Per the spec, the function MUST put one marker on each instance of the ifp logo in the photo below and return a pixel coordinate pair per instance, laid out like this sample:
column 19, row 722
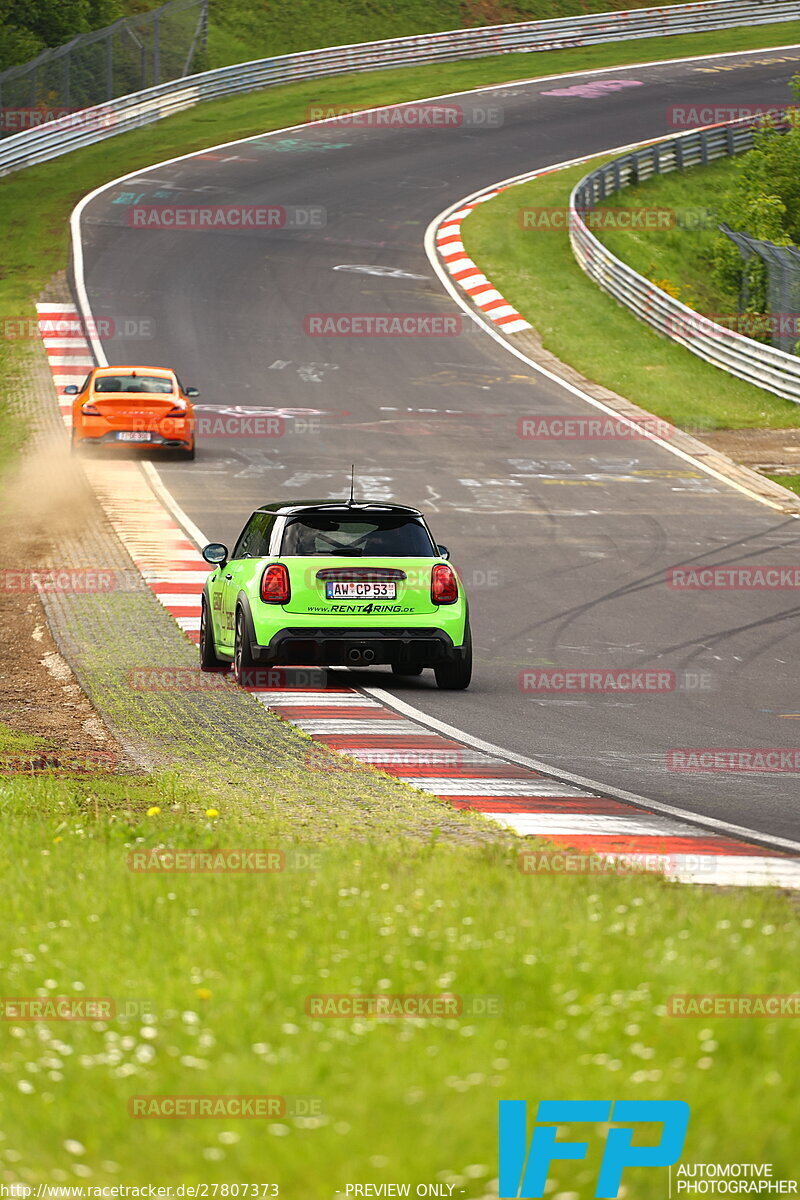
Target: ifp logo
column 524, row 1169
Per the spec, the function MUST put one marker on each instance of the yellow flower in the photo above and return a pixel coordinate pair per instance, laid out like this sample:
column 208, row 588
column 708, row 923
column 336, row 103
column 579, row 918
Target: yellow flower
column 212, row 812
column 154, row 811
column 58, row 839
column 203, row 994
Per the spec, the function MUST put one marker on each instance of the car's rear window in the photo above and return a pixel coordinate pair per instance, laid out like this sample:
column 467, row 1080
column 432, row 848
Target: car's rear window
column 155, row 384
column 379, row 535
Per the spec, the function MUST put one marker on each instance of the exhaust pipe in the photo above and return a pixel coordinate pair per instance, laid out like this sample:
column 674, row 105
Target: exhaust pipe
column 361, row 656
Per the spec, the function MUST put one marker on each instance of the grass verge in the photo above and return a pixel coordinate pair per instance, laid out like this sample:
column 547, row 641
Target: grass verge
column 211, row 974
column 678, row 259
column 792, row 482
column 537, row 273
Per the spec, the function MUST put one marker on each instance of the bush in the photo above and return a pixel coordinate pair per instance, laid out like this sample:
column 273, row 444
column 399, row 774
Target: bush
column 764, row 202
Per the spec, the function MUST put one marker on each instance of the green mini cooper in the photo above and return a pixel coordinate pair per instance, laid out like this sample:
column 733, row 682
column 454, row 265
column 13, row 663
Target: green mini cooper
column 336, row 583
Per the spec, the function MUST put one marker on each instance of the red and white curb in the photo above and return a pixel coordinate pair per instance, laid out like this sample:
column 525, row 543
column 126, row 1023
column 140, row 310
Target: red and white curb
column 529, row 802
column 467, row 275
column 68, row 352
column 353, row 724
column 171, row 565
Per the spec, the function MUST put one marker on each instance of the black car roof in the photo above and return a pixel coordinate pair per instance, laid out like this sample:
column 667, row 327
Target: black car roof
column 295, row 506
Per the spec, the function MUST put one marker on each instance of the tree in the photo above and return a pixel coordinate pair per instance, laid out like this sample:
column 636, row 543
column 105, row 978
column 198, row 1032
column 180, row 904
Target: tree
column 763, row 202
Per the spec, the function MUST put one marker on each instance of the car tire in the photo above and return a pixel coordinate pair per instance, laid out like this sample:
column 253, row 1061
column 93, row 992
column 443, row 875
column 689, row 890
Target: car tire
column 399, row 669
column 242, row 653
column 456, row 675
column 74, row 447
column 189, row 455
column 208, row 654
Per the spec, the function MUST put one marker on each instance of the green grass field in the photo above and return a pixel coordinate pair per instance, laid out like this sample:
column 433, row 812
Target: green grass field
column 679, row 257
column 211, row 975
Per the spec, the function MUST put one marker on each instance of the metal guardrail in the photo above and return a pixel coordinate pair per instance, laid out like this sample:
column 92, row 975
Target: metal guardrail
column 764, row 366
column 153, row 104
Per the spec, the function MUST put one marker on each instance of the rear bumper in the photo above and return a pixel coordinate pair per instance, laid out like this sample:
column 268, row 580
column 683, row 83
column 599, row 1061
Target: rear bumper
column 156, row 440
column 337, row 647
column 165, row 433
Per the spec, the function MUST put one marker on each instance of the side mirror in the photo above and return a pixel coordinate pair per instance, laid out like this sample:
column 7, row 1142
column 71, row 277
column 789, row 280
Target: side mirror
column 215, row 553
column 192, row 392
column 445, row 553
column 71, row 390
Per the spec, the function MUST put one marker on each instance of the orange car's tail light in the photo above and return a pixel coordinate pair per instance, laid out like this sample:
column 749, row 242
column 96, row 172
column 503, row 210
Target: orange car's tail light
column 90, row 410
column 444, row 586
column 275, row 588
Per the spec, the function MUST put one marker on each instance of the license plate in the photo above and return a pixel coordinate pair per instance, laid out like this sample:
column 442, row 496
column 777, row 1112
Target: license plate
column 360, row 591
column 130, row 436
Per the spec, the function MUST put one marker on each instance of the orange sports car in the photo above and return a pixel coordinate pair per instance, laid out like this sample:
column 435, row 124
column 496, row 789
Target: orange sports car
column 133, row 405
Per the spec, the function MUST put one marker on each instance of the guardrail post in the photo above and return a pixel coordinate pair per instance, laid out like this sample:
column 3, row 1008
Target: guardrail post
column 65, row 79
column 109, row 69
column 156, row 49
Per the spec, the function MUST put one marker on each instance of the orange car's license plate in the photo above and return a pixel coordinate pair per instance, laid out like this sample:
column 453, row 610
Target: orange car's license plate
column 130, row 436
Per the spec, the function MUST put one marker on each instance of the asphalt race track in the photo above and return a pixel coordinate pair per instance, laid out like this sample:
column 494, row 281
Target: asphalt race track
column 564, row 545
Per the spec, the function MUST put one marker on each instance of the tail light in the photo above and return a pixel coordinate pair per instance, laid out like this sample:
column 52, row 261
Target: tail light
column 444, row 585
column 90, row 410
column 275, row 587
